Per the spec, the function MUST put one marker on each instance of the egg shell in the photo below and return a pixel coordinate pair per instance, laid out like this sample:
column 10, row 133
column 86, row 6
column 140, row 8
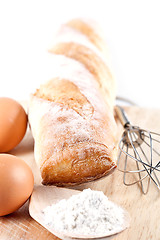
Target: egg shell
column 16, row 183
column 13, row 124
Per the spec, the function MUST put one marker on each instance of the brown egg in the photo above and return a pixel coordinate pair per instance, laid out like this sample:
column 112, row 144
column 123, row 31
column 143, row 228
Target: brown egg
column 13, row 124
column 16, row 183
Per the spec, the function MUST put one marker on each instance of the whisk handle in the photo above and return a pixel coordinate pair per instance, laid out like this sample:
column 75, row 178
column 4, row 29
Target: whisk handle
column 122, row 116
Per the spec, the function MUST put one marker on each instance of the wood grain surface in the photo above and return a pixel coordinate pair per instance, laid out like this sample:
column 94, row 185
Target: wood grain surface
column 143, row 209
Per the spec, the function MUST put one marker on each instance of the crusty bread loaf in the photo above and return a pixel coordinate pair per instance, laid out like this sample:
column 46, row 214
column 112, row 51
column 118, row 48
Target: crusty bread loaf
column 71, row 115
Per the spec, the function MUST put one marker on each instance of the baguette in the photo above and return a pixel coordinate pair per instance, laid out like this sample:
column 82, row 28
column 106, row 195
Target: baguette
column 71, row 115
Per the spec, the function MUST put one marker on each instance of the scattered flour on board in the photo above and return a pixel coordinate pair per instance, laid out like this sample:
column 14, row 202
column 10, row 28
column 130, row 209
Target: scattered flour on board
column 89, row 212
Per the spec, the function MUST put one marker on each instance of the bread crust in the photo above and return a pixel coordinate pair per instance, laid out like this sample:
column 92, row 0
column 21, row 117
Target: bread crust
column 93, row 63
column 71, row 116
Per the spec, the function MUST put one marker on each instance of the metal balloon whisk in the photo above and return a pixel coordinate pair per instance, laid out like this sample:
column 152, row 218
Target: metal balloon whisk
column 139, row 154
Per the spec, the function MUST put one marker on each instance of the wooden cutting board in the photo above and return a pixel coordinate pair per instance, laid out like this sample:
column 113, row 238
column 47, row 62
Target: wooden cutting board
column 143, row 209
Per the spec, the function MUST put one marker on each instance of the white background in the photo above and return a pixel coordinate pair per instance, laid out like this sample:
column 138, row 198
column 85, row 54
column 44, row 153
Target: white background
column 132, row 30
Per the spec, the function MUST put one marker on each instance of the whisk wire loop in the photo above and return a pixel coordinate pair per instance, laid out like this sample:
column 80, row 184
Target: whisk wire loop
column 132, row 146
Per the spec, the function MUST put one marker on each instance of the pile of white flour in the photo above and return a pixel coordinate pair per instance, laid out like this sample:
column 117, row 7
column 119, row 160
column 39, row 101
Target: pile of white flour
column 89, row 212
